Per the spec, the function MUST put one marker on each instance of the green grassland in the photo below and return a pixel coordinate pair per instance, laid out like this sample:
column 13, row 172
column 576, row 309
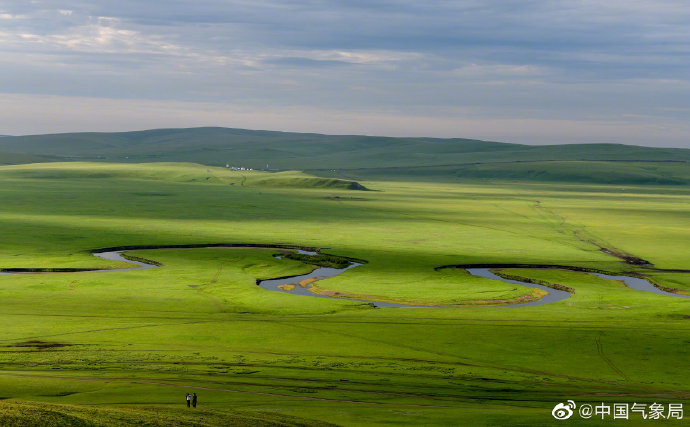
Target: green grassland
column 122, row 348
column 571, row 171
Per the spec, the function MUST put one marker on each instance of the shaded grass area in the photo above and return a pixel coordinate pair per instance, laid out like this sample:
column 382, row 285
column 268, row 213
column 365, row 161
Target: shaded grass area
column 19, row 158
column 549, row 171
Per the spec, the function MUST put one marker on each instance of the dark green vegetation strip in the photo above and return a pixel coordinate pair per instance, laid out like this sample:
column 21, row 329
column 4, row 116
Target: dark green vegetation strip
column 324, row 260
column 140, row 259
column 530, row 280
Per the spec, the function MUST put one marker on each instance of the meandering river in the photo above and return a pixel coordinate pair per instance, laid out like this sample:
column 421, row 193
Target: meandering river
column 321, row 273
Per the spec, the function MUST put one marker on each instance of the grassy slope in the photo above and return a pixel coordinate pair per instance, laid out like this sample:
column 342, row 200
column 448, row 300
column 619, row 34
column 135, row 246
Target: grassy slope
column 368, row 157
column 19, row 158
column 200, row 324
column 172, row 173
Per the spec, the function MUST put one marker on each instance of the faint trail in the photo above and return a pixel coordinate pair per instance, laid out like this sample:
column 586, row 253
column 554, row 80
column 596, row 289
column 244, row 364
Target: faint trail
column 581, row 235
column 217, row 275
column 105, row 329
column 566, row 228
column 563, row 227
column 600, row 351
column 216, row 301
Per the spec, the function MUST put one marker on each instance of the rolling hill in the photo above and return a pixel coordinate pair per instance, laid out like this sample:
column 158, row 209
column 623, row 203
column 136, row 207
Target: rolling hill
column 362, row 156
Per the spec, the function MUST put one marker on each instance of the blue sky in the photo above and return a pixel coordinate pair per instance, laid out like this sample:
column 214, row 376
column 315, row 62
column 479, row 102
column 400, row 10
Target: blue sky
column 538, row 72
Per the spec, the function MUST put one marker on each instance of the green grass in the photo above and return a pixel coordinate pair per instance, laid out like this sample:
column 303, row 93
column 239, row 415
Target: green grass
column 30, row 414
column 603, row 172
column 171, row 173
column 675, row 282
column 132, row 343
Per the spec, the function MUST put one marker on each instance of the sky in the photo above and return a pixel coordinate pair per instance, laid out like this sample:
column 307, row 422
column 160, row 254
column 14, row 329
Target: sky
column 527, row 71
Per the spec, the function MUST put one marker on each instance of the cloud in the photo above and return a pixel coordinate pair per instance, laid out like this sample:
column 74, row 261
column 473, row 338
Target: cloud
column 9, row 16
column 498, row 70
column 533, row 60
column 103, row 35
column 304, row 62
column 330, row 58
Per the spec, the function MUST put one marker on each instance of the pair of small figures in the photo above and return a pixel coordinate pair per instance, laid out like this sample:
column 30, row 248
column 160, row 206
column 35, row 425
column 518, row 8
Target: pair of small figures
column 191, row 400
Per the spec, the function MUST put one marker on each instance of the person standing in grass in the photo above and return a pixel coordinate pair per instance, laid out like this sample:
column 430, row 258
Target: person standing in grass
column 194, row 400
column 189, row 399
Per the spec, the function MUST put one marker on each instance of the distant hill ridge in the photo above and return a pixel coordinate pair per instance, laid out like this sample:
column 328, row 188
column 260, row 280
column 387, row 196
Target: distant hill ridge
column 261, row 149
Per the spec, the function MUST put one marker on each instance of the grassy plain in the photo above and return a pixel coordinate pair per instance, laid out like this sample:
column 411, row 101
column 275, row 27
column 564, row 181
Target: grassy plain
column 119, row 346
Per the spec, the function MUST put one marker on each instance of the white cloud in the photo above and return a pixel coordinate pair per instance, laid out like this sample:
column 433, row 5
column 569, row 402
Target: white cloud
column 366, row 56
column 106, row 35
column 381, row 58
column 498, row 70
column 109, row 36
column 9, row 16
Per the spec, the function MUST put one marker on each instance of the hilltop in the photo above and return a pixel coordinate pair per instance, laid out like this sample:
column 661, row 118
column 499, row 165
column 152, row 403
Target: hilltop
column 359, row 156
